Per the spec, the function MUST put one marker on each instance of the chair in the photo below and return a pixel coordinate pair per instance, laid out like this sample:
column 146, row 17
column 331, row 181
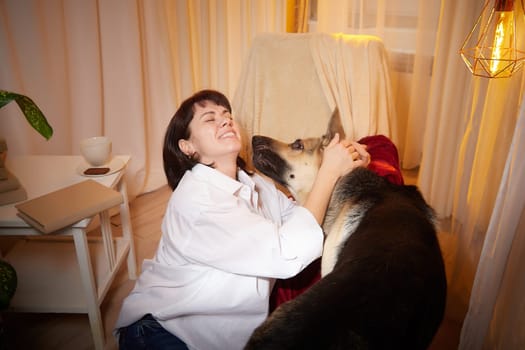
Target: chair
column 291, row 83
column 289, row 86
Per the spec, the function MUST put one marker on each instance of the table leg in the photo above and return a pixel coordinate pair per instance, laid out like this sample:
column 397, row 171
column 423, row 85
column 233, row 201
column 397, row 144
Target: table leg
column 90, row 288
column 107, row 237
column 127, row 232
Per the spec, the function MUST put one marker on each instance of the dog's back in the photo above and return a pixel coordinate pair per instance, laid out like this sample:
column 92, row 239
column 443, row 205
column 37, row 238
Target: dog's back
column 387, row 289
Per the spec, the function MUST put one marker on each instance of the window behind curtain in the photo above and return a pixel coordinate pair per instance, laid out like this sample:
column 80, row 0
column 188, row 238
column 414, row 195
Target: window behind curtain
column 395, row 21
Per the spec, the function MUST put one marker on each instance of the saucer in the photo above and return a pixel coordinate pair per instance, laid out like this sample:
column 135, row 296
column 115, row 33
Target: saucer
column 114, row 165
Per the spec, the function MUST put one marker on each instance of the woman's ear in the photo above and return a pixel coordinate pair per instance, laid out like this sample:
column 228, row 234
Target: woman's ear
column 186, row 147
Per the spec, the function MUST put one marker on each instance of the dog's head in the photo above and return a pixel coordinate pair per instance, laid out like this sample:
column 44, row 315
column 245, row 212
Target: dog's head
column 294, row 165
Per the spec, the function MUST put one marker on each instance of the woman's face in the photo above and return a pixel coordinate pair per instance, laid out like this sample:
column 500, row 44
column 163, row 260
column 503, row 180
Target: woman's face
column 214, row 135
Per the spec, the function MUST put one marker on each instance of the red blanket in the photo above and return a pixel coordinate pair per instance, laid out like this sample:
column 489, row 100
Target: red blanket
column 385, row 162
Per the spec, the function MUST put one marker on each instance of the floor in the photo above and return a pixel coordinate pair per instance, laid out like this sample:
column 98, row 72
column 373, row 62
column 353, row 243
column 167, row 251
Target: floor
column 71, row 331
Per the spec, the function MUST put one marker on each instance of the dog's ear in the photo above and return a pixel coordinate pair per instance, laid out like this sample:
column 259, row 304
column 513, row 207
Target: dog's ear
column 334, row 126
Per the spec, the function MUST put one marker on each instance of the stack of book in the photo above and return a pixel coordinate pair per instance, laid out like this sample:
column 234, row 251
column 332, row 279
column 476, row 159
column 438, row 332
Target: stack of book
column 11, row 190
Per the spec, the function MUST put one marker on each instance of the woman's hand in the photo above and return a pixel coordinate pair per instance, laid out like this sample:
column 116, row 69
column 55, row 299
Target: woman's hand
column 363, row 157
column 341, row 157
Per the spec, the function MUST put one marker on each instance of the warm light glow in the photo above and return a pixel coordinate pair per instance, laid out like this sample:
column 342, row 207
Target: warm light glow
column 503, row 41
column 495, row 47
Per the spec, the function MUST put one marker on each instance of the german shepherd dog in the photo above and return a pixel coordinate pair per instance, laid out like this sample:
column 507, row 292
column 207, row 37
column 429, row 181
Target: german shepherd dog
column 383, row 282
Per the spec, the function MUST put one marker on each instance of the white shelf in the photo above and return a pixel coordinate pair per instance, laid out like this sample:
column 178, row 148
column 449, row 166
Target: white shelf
column 49, row 274
column 66, row 271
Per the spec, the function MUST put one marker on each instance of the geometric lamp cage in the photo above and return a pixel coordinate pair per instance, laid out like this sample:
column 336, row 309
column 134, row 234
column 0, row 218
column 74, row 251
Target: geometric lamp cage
column 495, row 48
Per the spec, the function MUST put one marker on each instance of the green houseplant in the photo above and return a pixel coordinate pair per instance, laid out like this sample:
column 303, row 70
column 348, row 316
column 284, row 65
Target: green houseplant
column 8, row 283
column 35, row 117
column 33, row 114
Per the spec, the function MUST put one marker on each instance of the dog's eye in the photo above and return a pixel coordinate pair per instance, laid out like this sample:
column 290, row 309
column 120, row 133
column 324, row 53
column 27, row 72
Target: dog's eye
column 297, row 145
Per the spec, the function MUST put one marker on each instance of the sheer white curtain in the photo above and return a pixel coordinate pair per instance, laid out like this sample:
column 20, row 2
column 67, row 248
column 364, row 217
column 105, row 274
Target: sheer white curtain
column 465, row 133
column 496, row 309
column 120, row 68
column 485, row 210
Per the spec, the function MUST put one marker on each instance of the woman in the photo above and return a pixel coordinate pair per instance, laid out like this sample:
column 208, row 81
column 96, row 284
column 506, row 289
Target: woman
column 226, row 236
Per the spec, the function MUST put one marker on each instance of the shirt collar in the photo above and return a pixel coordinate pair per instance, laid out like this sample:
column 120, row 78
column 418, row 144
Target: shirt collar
column 218, row 179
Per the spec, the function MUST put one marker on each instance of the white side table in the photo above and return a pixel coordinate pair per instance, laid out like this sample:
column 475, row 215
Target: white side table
column 49, row 280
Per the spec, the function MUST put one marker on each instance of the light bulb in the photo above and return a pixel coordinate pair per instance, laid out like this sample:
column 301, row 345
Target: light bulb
column 503, row 41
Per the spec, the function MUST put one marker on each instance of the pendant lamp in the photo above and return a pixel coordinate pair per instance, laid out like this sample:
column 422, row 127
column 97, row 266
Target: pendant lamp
column 495, row 46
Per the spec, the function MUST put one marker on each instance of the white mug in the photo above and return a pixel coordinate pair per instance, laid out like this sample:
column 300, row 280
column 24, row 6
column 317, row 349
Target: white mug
column 96, row 150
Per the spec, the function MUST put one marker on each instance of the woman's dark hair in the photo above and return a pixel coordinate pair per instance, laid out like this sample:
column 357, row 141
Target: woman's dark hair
column 175, row 161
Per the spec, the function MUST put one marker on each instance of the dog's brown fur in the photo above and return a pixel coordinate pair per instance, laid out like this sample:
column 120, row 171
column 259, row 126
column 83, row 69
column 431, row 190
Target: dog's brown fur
column 383, row 284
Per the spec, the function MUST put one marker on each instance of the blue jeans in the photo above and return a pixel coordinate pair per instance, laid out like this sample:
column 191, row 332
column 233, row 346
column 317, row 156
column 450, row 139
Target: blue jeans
column 148, row 334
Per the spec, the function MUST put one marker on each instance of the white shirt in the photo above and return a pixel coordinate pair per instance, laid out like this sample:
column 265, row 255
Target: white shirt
column 223, row 244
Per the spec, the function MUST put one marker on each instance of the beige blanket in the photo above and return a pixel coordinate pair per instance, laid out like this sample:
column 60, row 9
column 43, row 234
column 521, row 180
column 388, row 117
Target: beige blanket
column 291, row 83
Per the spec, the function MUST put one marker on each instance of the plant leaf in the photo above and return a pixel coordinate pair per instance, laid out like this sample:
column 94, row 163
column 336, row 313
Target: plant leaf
column 33, row 114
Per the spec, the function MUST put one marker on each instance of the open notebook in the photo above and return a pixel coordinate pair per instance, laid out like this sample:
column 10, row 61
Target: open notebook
column 68, row 205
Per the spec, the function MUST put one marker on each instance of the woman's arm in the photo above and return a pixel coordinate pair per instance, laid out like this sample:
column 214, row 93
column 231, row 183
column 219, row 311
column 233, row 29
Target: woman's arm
column 339, row 158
